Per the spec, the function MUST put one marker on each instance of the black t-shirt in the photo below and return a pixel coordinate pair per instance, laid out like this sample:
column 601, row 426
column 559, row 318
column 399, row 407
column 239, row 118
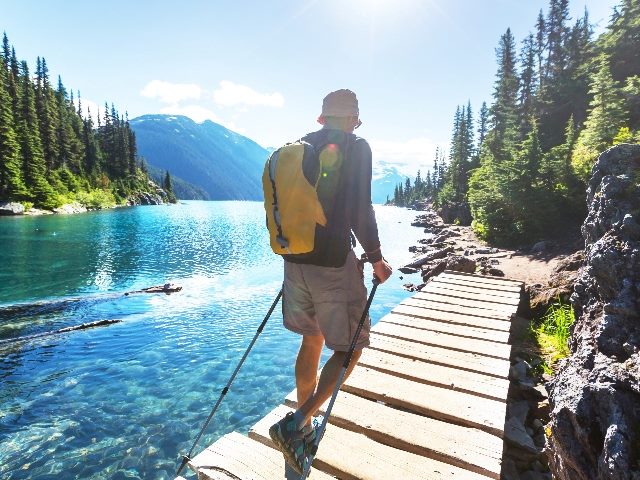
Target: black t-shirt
column 344, row 190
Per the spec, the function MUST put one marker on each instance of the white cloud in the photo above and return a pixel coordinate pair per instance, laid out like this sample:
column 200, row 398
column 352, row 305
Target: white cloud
column 171, row 92
column 232, row 94
column 408, row 157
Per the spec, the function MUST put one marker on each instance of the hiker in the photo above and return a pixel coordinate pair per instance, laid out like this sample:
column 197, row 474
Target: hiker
column 324, row 292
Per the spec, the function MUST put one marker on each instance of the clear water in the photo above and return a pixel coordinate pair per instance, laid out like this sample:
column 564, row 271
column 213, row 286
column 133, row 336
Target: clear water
column 124, row 401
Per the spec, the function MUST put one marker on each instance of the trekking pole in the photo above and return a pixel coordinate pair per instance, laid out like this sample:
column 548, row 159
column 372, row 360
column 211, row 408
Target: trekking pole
column 343, row 372
column 186, row 458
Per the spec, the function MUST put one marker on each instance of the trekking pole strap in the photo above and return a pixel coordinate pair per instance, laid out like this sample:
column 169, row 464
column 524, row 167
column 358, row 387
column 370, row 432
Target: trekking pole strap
column 224, row 391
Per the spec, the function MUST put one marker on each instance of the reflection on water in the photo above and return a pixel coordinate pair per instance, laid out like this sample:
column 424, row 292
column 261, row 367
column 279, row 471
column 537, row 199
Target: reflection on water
column 124, row 401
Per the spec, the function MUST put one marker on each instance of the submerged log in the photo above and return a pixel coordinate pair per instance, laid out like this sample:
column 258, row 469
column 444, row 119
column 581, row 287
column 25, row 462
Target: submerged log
column 166, row 288
column 82, row 326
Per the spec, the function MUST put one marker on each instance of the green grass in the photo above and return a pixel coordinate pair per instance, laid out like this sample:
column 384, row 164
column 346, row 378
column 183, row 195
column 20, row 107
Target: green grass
column 552, row 333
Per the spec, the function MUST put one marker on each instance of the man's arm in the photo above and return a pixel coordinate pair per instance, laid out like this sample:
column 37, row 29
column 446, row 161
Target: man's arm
column 363, row 218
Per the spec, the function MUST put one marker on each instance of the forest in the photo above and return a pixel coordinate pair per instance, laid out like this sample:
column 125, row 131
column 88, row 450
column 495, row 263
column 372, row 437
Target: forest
column 51, row 153
column 519, row 170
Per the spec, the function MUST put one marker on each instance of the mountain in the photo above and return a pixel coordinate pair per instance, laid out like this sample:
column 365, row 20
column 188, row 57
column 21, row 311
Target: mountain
column 385, row 178
column 226, row 165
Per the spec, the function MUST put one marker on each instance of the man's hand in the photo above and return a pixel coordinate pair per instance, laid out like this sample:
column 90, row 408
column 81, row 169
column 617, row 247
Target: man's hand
column 382, row 270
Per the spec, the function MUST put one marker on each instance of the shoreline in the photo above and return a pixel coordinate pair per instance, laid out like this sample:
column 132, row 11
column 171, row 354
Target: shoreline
column 534, row 265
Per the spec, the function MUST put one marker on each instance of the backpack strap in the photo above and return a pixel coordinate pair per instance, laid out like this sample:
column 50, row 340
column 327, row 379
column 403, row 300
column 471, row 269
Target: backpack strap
column 273, row 163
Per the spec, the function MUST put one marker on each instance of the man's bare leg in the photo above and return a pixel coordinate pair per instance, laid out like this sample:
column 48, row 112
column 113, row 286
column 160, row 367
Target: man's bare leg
column 307, row 367
column 326, row 384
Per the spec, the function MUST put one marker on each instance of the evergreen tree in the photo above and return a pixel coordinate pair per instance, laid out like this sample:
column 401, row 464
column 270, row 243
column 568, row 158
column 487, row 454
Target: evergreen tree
column 482, row 124
column 504, row 109
column 11, row 181
column 526, row 106
column 540, row 46
column 6, row 51
column 46, row 111
column 620, row 41
column 606, row 117
column 35, row 168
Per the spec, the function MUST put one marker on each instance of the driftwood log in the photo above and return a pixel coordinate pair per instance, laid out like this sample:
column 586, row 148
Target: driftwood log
column 82, row 326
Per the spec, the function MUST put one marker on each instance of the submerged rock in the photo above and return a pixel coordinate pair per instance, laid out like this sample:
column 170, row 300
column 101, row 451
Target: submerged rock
column 595, row 397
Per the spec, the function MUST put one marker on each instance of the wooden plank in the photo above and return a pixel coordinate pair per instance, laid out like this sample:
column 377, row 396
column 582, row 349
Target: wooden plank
column 436, row 326
column 476, row 304
column 418, row 308
column 466, row 286
column 463, row 447
column 456, row 407
column 438, row 339
column 483, row 279
column 352, row 456
column 471, row 362
column 489, row 287
column 461, row 309
column 236, row 457
column 445, row 377
column 439, row 289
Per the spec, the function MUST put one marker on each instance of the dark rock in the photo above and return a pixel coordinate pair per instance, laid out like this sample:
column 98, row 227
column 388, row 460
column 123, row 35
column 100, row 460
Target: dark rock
column 542, row 247
column 595, row 396
column 11, row 208
column 519, row 410
column 436, row 254
column 408, row 270
column 516, row 435
column 456, row 213
column 460, row 264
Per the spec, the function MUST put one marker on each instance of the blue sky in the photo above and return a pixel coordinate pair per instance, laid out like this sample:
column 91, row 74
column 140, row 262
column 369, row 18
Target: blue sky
column 262, row 68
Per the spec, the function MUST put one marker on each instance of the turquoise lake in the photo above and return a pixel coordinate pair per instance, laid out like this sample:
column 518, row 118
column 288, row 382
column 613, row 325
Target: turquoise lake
column 125, row 400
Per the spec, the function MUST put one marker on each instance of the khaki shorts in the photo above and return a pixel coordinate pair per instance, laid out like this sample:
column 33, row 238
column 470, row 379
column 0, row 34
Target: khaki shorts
column 326, row 301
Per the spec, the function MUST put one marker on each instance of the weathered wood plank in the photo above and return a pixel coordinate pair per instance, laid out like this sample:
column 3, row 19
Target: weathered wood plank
column 420, row 309
column 460, row 309
column 489, row 287
column 455, row 407
column 397, row 317
column 472, row 362
column 464, row 447
column 350, row 456
column 483, row 279
column 445, row 377
column 440, row 289
column 490, row 349
column 499, row 308
column 236, row 457
column 466, row 286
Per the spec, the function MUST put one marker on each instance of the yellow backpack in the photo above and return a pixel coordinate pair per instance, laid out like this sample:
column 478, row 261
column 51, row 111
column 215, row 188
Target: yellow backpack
column 291, row 199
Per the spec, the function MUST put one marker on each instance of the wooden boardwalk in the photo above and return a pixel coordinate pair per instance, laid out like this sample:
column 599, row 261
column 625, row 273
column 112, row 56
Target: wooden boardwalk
column 427, row 400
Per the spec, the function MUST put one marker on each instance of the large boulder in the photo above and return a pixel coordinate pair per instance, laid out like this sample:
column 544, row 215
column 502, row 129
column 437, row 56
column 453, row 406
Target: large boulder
column 11, row 208
column 594, row 433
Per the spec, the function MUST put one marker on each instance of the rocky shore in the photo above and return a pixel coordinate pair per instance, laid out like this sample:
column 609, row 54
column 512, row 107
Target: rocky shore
column 156, row 196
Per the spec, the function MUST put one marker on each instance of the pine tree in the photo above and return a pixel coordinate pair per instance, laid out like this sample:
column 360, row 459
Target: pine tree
column 6, row 51
column 540, row 46
column 483, row 124
column 620, row 41
column 11, row 182
column 46, row 111
column 31, row 146
column 606, row 116
column 504, row 109
column 526, row 97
